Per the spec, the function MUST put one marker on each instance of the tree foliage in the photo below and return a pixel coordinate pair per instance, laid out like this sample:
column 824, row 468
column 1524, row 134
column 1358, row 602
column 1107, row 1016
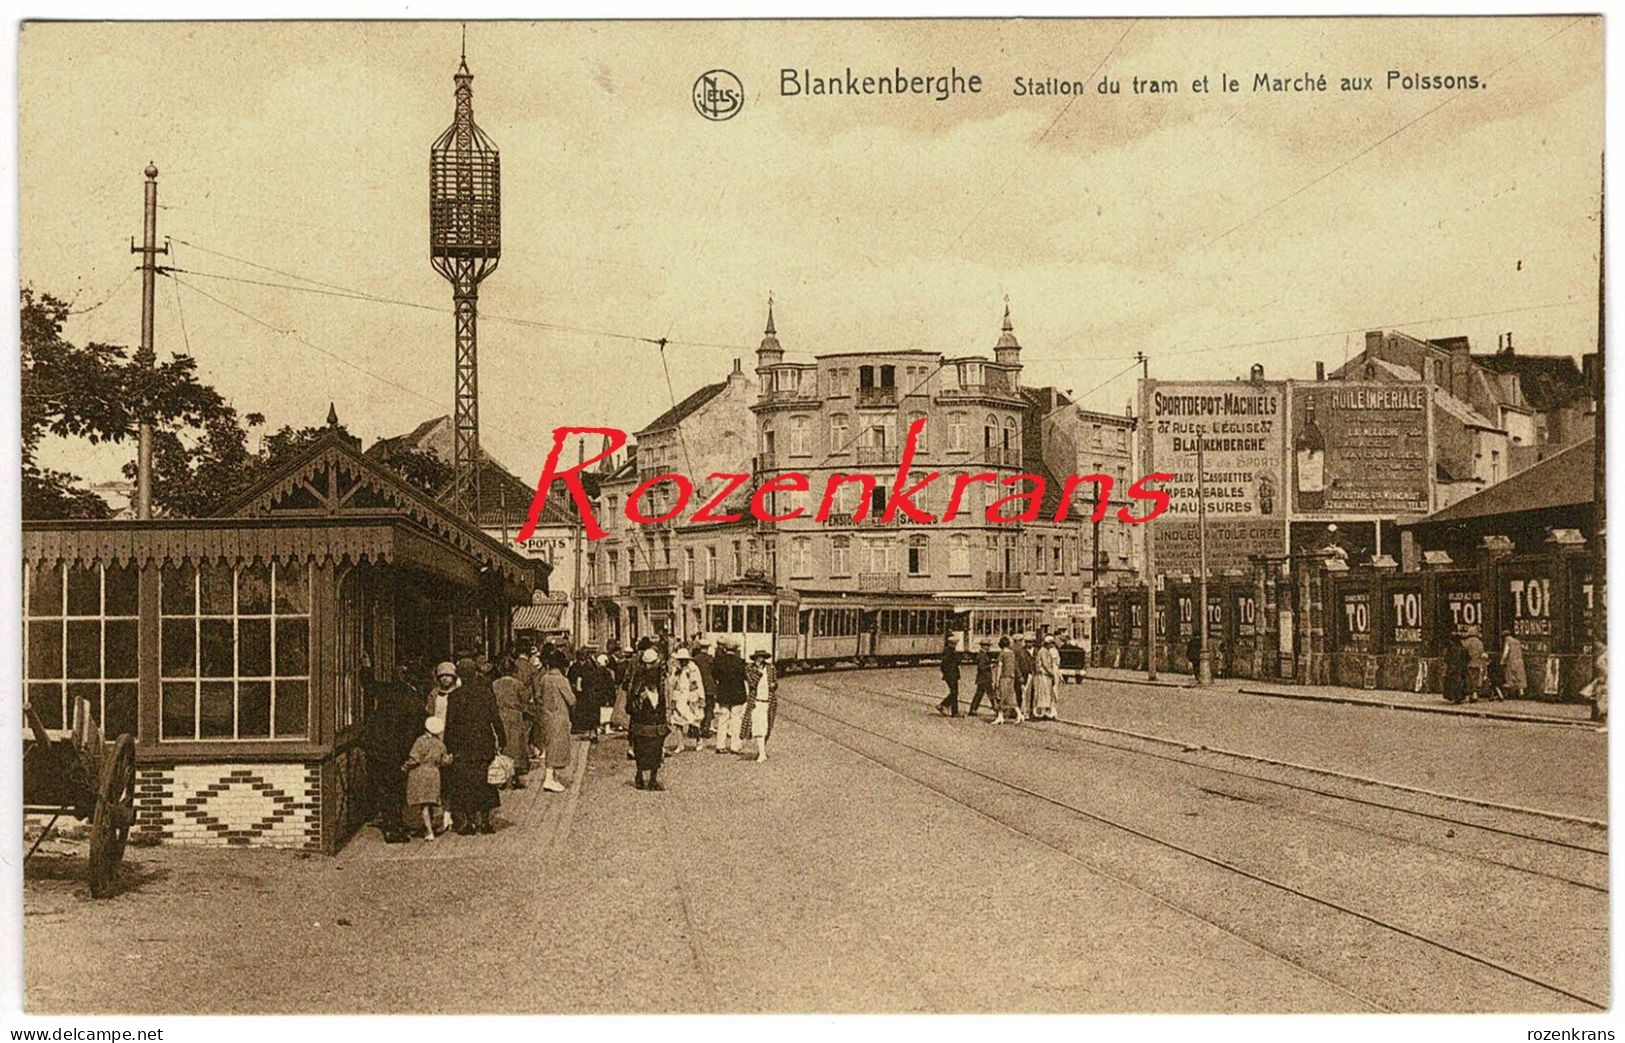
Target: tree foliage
column 201, row 453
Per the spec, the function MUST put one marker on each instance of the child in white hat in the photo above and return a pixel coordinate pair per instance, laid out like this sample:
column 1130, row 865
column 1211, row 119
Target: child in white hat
column 422, row 769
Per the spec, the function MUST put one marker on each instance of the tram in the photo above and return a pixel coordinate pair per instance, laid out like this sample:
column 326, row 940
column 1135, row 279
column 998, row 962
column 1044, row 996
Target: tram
column 749, row 613
column 825, row 630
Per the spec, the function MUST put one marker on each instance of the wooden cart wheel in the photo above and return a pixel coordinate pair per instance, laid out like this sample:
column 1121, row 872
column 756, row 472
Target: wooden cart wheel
column 114, row 814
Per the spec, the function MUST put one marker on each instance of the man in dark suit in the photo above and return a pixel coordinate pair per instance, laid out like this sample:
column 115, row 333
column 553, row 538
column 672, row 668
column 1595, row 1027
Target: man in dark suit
column 702, row 659
column 984, row 675
column 949, row 707
column 392, row 725
column 729, row 671
column 1025, row 666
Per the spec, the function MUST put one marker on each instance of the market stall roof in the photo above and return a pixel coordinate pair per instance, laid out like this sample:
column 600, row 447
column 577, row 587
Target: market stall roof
column 1563, row 480
column 333, row 478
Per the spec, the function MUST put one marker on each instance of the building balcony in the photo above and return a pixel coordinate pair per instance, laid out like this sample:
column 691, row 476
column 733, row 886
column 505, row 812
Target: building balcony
column 788, row 396
column 869, row 455
column 1003, row 581
column 978, row 393
column 998, row 456
column 601, row 589
column 872, row 396
column 654, row 579
column 765, row 462
column 880, row 582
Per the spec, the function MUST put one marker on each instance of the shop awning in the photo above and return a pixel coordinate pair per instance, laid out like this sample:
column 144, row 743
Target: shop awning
column 549, row 615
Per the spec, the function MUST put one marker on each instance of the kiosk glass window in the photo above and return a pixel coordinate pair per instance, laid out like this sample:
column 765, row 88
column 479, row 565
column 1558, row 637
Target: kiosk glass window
column 234, row 656
column 79, row 633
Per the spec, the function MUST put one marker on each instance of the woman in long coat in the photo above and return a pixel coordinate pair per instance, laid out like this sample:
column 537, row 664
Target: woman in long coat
column 584, row 711
column 1514, row 679
column 1455, row 670
column 644, row 671
column 1046, row 674
column 557, row 700
column 510, row 696
column 474, row 733
column 1004, row 684
column 646, row 714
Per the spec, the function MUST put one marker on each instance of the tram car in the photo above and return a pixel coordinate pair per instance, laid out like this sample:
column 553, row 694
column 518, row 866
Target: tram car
column 826, row 630
column 749, row 614
column 994, row 621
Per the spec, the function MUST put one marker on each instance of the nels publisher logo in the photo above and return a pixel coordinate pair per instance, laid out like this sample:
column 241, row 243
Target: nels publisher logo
column 718, row 95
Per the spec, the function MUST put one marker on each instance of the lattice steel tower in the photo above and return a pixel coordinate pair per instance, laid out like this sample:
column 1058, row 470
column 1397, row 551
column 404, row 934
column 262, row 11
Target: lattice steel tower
column 465, row 242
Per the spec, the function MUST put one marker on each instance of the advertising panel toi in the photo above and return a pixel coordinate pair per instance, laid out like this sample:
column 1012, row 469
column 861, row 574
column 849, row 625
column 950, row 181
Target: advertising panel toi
column 1359, row 449
column 1240, row 428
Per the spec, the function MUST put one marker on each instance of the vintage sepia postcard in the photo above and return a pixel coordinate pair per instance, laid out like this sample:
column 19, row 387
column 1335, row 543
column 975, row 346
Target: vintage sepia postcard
column 813, row 516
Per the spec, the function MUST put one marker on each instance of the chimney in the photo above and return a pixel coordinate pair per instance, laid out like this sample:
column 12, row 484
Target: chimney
column 738, row 373
column 1320, row 371
column 1509, row 342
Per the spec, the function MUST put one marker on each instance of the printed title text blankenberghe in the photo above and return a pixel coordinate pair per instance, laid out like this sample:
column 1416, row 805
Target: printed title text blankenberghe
column 941, row 86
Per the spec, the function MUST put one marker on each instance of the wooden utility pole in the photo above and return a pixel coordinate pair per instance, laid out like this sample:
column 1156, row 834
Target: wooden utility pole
column 1599, row 446
column 578, row 588
column 1150, row 556
column 147, row 356
column 1204, row 660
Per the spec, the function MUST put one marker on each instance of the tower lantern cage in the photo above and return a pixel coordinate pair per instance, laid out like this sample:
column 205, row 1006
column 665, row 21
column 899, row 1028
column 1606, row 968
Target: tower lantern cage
column 465, row 244
column 465, row 192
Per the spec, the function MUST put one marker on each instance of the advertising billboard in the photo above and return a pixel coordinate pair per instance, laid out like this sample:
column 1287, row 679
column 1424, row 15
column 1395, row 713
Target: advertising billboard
column 1359, row 448
column 1240, row 427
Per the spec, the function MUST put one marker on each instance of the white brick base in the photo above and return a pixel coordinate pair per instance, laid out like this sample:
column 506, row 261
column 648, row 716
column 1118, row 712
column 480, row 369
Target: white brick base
column 264, row 805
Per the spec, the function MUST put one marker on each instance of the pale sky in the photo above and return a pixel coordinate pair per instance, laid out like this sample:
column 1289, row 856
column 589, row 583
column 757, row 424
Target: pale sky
column 1209, row 230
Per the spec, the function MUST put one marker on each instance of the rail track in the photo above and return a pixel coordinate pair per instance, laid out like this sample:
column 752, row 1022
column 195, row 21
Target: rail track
column 905, row 758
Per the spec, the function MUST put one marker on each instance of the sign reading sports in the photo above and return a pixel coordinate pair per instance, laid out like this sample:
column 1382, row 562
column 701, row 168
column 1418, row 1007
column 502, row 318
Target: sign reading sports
column 1240, row 427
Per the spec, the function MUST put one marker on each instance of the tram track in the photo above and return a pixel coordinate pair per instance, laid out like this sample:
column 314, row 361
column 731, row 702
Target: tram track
column 1591, row 825
column 827, row 725
column 1456, row 852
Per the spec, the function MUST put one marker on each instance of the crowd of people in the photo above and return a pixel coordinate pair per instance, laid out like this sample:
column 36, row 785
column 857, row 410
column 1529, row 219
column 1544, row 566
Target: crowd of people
column 442, row 745
column 1019, row 679
column 671, row 697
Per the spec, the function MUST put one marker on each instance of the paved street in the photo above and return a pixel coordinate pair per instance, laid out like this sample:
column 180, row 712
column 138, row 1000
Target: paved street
column 886, row 859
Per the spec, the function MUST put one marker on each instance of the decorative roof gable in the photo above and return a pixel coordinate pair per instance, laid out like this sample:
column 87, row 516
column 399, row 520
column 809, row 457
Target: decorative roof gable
column 333, row 477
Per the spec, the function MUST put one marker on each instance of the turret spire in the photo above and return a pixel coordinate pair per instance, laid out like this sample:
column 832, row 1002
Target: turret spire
column 770, row 334
column 1008, row 349
column 1007, row 335
column 769, row 353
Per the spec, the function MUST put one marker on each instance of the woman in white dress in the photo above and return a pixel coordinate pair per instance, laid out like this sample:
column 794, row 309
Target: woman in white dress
column 685, row 700
column 761, row 700
column 1046, row 675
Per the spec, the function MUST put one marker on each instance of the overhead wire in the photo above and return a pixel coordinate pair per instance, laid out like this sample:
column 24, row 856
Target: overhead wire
column 347, row 293
column 110, row 295
column 1192, row 251
column 1015, row 168
column 295, row 336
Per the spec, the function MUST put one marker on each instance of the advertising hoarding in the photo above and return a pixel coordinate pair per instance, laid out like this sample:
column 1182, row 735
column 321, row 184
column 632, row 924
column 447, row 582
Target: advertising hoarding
column 1240, row 428
column 1359, row 448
